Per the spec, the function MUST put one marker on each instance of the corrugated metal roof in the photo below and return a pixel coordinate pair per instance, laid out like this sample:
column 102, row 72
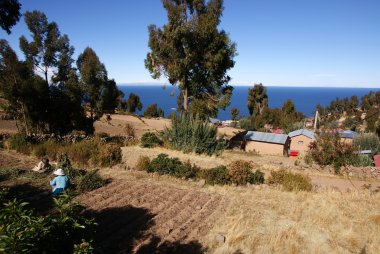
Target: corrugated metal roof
column 213, row 120
column 348, row 134
column 304, row 132
column 266, row 137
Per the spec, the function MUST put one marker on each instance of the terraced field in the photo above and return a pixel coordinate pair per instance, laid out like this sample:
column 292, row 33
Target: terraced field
column 142, row 217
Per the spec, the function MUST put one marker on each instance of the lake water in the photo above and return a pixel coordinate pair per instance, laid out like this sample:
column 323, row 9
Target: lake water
column 304, row 98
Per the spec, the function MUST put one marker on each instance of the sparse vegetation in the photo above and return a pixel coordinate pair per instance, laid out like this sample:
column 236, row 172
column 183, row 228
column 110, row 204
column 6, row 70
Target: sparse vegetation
column 290, row 181
column 107, row 155
column 18, row 142
column 142, row 163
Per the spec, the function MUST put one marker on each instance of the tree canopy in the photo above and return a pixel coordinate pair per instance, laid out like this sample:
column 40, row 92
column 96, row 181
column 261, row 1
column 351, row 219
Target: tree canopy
column 192, row 52
column 257, row 99
column 9, row 14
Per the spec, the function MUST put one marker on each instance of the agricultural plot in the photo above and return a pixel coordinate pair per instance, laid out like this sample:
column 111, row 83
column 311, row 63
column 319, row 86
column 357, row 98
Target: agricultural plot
column 141, row 217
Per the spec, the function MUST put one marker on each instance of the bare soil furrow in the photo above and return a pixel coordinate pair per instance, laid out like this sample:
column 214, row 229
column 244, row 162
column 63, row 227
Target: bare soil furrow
column 197, row 215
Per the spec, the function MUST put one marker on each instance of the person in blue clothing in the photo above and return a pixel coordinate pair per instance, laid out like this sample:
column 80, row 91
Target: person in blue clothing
column 60, row 182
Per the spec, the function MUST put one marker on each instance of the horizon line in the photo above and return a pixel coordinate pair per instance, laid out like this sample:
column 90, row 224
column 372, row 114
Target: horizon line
column 246, row 85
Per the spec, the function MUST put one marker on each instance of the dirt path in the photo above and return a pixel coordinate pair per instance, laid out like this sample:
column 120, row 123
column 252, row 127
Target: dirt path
column 144, row 217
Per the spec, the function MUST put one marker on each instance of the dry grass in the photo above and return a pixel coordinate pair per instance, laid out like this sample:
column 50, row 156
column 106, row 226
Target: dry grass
column 273, row 221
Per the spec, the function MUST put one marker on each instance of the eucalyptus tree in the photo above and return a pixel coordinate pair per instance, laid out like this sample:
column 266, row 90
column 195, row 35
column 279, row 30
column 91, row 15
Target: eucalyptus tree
column 93, row 78
column 192, row 52
column 42, row 52
column 9, row 14
column 257, row 99
column 22, row 89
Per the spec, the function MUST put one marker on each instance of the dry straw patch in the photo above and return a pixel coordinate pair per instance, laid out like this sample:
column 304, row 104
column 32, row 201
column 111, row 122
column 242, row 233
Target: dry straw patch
column 273, row 221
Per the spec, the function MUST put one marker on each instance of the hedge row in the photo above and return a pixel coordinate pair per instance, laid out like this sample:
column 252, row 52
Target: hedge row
column 238, row 172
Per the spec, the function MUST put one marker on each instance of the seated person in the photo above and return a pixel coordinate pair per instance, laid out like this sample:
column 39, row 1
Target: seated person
column 42, row 166
column 60, row 182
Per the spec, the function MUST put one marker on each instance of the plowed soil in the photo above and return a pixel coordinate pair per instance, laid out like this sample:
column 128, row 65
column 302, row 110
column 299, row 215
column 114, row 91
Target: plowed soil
column 144, row 217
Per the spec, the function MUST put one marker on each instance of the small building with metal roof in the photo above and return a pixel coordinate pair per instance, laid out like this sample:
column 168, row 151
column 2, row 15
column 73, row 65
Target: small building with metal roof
column 267, row 143
column 300, row 140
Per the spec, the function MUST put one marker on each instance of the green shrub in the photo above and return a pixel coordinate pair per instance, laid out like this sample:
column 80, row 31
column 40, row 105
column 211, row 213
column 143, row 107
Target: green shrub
column 107, row 156
column 187, row 171
column 363, row 161
column 142, row 163
column 153, row 111
column 89, row 181
column 22, row 231
column 18, row 142
column 49, row 148
column 367, row 141
column 150, row 139
column 192, row 134
column 257, row 177
column 218, row 175
column 330, row 150
column 162, row 164
column 290, row 181
column 240, row 172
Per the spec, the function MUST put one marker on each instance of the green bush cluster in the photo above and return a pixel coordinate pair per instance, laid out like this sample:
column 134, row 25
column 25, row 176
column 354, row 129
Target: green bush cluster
column 164, row 165
column 240, row 172
column 363, row 161
column 22, row 231
column 192, row 134
column 153, row 111
column 149, row 139
column 220, row 175
column 216, row 176
column 290, row 181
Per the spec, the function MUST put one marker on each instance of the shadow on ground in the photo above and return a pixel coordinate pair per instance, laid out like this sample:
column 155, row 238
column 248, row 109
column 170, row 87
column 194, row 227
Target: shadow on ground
column 121, row 229
column 40, row 199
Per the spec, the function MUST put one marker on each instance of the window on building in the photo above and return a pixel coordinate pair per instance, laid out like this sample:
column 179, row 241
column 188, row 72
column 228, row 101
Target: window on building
column 300, row 143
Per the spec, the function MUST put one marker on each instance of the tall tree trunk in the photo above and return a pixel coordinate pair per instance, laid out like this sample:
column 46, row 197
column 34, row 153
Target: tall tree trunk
column 24, row 118
column 185, row 99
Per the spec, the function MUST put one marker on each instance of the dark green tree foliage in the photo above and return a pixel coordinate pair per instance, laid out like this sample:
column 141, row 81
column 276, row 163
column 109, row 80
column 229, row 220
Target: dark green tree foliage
column 234, row 113
column 257, row 99
column 153, row 111
column 112, row 97
column 191, row 134
column 93, row 78
column 61, row 98
column 133, row 103
column 25, row 92
column 192, row 52
column 43, row 51
column 203, row 108
column 9, row 14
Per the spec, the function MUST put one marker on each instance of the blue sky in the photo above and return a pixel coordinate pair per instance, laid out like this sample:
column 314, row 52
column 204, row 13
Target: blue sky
column 279, row 42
